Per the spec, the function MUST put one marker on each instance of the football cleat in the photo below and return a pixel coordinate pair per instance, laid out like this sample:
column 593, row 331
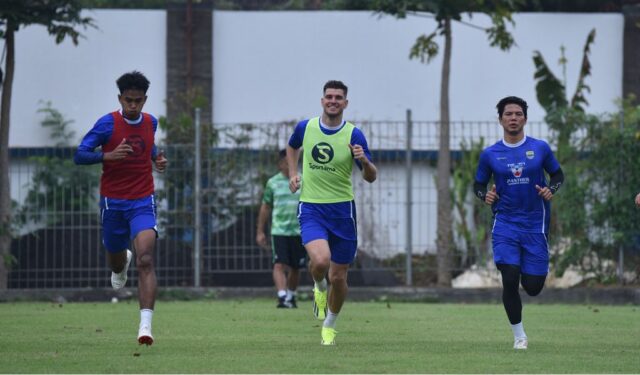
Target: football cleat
column 520, row 343
column 328, row 336
column 319, row 304
column 118, row 280
column 144, row 336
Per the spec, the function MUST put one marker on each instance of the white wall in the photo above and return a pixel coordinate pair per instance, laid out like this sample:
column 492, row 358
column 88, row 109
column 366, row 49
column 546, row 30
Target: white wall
column 80, row 80
column 271, row 66
column 274, row 70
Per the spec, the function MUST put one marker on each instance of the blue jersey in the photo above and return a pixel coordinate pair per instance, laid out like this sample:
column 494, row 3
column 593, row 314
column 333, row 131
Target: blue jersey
column 516, row 170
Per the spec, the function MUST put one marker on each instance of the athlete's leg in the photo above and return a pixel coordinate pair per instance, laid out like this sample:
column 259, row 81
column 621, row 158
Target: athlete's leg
column 533, row 284
column 319, row 259
column 535, row 262
column 510, row 292
column 144, row 244
column 279, row 276
column 117, row 260
column 338, row 281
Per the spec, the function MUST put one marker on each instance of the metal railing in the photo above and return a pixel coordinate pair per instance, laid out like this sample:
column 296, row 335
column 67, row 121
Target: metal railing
column 208, row 204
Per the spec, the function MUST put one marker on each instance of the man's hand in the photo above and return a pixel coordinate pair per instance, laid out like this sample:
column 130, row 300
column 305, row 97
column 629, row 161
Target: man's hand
column 261, row 240
column 294, row 183
column 491, row 196
column 358, row 153
column 161, row 162
column 119, row 153
column 544, row 192
column 638, row 200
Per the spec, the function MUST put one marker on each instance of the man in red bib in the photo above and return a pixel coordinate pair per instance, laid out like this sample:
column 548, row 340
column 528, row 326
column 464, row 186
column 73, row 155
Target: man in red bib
column 127, row 205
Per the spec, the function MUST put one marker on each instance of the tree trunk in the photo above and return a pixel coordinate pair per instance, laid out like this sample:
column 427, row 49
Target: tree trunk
column 5, row 187
column 444, row 169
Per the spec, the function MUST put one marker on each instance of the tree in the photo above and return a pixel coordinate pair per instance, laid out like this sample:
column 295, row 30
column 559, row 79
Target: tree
column 426, row 48
column 59, row 17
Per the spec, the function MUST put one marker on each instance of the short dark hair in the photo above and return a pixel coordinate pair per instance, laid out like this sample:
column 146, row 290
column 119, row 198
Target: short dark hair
column 511, row 100
column 133, row 81
column 282, row 154
column 335, row 85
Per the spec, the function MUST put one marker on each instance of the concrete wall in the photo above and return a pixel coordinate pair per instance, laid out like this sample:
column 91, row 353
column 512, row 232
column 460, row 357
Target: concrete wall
column 80, row 80
column 270, row 66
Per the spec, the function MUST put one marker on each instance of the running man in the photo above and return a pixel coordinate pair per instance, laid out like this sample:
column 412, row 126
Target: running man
column 127, row 206
column 288, row 253
column 327, row 211
column 520, row 200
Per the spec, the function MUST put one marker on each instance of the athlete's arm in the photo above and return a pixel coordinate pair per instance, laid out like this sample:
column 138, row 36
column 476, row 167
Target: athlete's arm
column 556, row 180
column 369, row 170
column 96, row 137
column 261, row 238
column 480, row 190
column 293, row 154
column 362, row 155
column 483, row 173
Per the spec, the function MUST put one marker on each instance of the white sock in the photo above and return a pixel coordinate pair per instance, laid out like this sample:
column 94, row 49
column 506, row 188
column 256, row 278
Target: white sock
column 330, row 320
column 322, row 285
column 518, row 330
column 146, row 315
column 290, row 294
column 282, row 293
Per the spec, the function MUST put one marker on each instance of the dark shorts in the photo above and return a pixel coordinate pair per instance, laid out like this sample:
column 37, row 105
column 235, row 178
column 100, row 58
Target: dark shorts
column 289, row 250
column 120, row 227
column 529, row 251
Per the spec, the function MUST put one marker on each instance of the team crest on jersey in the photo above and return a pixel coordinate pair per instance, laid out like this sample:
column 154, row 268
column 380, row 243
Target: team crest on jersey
column 530, row 154
column 516, row 169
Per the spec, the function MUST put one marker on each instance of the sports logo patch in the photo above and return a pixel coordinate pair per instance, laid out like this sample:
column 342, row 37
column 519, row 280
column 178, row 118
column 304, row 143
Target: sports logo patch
column 517, row 169
column 322, row 153
column 530, row 154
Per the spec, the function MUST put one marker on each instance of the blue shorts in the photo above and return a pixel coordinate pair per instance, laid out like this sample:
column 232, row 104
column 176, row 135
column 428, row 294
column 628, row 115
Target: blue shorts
column 119, row 227
column 529, row 251
column 339, row 229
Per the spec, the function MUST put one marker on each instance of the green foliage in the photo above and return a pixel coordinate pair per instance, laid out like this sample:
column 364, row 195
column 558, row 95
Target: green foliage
column 57, row 184
column 473, row 219
column 594, row 215
column 58, row 16
column 426, row 48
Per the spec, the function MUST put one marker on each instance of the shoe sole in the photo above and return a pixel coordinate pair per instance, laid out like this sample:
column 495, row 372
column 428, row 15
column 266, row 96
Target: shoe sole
column 145, row 340
column 316, row 312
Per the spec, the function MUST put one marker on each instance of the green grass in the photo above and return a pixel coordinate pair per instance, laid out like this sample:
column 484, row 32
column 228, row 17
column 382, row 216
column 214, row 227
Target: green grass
column 252, row 336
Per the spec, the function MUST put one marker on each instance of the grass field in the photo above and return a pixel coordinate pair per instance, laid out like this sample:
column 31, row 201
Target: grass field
column 252, row 336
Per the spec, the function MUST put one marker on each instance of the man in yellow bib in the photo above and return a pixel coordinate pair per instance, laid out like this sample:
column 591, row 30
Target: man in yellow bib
column 327, row 211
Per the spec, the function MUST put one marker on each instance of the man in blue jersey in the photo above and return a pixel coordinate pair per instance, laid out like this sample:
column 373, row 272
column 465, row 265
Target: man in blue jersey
column 327, row 211
column 520, row 199
column 127, row 142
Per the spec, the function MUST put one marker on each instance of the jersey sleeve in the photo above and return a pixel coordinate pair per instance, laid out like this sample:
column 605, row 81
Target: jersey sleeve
column 267, row 196
column 154, row 149
column 483, row 173
column 295, row 141
column 98, row 135
column 551, row 164
column 358, row 138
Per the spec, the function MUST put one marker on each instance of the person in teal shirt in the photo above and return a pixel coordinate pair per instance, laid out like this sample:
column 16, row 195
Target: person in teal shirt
column 288, row 254
column 327, row 211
